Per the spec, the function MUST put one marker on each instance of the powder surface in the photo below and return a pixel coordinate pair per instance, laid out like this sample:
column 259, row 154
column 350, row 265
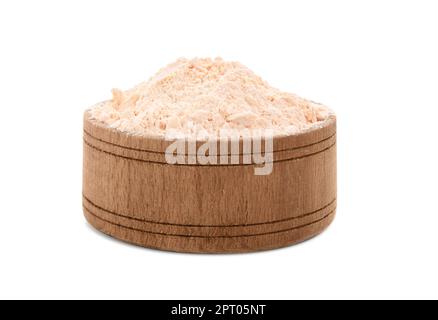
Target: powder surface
column 201, row 97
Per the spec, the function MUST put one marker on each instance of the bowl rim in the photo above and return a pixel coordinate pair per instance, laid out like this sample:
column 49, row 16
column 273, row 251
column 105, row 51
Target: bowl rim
column 98, row 130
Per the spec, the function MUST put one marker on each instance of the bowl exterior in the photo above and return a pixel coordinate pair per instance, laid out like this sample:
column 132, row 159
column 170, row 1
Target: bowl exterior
column 131, row 193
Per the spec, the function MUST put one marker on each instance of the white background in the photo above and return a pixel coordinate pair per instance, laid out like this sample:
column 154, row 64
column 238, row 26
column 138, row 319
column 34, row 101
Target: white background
column 373, row 62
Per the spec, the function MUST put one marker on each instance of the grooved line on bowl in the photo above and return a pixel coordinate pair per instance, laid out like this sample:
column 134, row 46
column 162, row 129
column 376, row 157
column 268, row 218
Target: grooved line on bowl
column 212, row 237
column 205, row 165
column 240, row 154
column 206, row 226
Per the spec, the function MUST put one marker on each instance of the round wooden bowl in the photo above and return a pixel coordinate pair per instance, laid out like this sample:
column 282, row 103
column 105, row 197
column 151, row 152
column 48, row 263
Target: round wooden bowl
column 131, row 193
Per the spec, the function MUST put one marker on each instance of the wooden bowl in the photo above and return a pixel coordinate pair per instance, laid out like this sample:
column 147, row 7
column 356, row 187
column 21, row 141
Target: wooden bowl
column 131, row 193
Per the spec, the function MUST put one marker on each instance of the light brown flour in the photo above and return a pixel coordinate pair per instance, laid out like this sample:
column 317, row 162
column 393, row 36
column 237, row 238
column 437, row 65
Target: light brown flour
column 206, row 96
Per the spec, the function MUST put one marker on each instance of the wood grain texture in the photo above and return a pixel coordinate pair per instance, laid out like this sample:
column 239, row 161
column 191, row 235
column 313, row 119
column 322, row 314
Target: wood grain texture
column 131, row 193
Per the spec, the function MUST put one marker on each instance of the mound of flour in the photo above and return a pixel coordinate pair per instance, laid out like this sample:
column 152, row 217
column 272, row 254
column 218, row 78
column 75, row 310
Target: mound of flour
column 205, row 96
